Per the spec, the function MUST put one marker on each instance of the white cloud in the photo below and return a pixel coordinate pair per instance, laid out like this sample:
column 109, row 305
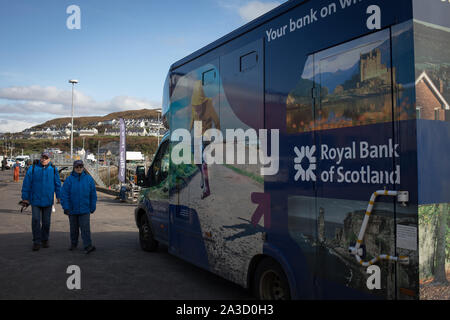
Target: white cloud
column 37, row 101
column 254, row 9
column 249, row 9
column 38, row 93
column 15, row 125
column 32, row 109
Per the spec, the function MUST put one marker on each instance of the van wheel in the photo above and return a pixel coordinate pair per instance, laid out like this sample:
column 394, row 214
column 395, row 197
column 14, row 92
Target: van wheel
column 270, row 282
column 146, row 239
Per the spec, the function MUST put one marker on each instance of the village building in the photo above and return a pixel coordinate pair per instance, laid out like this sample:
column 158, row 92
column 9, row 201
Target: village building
column 137, row 132
column 430, row 103
column 112, row 132
column 88, row 132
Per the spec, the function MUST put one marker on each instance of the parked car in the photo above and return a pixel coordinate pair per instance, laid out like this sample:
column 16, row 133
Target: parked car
column 9, row 163
column 22, row 160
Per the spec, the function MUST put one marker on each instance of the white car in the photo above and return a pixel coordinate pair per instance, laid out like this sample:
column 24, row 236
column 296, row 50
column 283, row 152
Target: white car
column 22, row 161
column 10, row 162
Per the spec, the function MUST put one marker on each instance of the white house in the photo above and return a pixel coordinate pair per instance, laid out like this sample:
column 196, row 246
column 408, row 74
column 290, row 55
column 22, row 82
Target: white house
column 134, row 156
column 88, row 132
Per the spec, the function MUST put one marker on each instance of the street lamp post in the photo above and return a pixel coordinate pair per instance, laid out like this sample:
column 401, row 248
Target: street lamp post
column 73, row 82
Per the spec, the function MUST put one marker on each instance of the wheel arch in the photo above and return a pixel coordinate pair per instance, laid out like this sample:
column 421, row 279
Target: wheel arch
column 273, row 253
column 252, row 268
column 138, row 213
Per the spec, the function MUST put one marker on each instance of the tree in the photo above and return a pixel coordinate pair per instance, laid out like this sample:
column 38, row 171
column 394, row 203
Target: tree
column 440, row 272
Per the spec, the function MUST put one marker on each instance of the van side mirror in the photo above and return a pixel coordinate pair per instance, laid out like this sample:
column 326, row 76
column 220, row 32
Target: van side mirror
column 140, row 176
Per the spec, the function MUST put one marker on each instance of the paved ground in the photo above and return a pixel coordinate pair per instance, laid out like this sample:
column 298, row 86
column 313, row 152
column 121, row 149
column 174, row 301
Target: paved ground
column 119, row 269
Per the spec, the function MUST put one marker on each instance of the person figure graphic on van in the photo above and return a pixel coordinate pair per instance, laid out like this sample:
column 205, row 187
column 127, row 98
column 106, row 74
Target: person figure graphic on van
column 79, row 201
column 16, row 171
column 40, row 185
column 203, row 110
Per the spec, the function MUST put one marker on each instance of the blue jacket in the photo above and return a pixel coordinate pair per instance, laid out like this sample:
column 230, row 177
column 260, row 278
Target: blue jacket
column 78, row 194
column 40, row 186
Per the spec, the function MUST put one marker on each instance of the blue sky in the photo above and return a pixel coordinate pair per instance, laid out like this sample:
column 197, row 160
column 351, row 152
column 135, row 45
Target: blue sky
column 120, row 55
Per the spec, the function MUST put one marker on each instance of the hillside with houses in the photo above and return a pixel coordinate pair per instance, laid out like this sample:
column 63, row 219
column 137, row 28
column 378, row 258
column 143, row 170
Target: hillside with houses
column 139, row 123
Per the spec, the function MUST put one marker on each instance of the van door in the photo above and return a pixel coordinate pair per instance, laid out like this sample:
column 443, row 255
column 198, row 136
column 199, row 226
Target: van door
column 242, row 74
column 196, row 99
column 356, row 155
column 158, row 194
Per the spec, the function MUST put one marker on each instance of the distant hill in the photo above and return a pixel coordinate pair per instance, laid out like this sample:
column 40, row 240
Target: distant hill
column 82, row 122
column 431, row 45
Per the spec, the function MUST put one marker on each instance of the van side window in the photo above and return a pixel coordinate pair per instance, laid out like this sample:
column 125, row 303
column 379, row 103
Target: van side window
column 159, row 170
column 248, row 61
column 208, row 77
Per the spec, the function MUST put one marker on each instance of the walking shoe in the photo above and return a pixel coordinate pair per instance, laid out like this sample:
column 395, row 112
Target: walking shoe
column 89, row 249
column 36, row 247
column 72, row 247
column 206, row 192
column 45, row 244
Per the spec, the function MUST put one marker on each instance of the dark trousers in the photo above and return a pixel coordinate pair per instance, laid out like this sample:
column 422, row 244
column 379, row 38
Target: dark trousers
column 77, row 223
column 40, row 223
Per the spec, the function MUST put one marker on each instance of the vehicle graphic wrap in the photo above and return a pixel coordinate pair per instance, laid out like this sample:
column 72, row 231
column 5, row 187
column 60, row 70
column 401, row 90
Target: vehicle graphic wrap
column 207, row 206
column 358, row 108
column 432, row 74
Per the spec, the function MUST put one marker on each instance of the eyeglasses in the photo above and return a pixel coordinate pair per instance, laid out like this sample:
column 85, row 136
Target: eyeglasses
column 79, row 167
column 44, row 158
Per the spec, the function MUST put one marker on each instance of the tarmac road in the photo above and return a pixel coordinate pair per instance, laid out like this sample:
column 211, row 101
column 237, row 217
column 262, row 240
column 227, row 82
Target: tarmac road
column 119, row 269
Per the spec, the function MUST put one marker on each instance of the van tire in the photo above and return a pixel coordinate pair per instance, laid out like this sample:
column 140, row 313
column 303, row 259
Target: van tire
column 146, row 238
column 270, row 281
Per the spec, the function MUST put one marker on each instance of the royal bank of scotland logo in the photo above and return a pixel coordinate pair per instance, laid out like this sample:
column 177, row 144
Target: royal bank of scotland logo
column 308, row 173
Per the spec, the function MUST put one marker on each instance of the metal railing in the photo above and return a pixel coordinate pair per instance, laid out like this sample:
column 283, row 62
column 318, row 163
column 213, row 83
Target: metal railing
column 63, row 160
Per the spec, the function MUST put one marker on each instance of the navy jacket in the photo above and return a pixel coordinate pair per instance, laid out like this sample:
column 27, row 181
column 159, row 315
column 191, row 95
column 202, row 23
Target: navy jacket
column 40, row 186
column 78, row 194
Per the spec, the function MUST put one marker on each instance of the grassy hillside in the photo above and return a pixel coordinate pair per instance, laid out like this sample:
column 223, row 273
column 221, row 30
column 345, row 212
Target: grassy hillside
column 146, row 145
column 87, row 121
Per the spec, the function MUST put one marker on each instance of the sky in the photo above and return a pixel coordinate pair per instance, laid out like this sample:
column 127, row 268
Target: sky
column 121, row 54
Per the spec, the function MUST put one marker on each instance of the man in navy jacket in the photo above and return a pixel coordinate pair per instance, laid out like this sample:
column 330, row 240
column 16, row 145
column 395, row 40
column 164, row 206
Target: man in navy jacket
column 79, row 200
column 41, row 183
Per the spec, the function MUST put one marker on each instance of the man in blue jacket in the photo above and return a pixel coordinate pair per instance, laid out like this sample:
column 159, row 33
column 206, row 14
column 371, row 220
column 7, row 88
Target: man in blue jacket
column 40, row 185
column 79, row 200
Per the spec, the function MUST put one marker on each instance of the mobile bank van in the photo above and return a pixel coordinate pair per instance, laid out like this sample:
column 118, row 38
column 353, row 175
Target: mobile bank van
column 308, row 152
